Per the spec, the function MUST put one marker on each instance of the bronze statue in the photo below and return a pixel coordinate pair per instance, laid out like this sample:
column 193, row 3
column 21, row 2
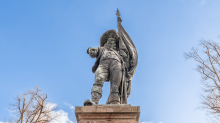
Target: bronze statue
column 116, row 61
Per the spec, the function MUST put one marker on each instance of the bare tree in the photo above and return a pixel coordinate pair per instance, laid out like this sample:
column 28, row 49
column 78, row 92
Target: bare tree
column 209, row 67
column 33, row 107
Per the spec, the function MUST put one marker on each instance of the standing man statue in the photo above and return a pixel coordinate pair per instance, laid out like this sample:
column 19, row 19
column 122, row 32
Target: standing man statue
column 116, row 61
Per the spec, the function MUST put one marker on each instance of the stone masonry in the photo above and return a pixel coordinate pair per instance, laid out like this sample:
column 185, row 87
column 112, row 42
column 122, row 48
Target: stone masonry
column 108, row 114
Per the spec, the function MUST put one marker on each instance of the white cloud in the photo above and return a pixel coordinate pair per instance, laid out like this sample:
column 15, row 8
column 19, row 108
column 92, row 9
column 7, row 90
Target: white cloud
column 70, row 106
column 147, row 122
column 202, row 2
column 62, row 115
column 10, row 110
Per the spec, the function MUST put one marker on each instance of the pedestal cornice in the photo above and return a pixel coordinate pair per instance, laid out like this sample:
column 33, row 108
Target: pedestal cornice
column 107, row 114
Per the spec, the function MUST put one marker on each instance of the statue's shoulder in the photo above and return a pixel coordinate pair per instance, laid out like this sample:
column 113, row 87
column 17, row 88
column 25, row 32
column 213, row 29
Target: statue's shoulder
column 101, row 50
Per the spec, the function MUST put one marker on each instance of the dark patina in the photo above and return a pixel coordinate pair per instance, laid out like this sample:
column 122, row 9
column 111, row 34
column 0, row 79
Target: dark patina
column 116, row 62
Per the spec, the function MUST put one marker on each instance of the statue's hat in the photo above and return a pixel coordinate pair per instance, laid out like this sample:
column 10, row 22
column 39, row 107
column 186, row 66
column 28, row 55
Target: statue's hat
column 108, row 34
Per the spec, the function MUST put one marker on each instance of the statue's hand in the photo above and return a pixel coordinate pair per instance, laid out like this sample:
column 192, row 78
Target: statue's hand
column 93, row 52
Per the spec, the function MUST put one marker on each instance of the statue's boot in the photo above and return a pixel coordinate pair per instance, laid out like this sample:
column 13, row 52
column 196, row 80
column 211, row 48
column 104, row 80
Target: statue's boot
column 96, row 95
column 114, row 98
column 88, row 102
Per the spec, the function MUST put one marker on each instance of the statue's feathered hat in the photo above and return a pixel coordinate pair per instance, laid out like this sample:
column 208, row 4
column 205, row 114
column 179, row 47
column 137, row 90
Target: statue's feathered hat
column 109, row 34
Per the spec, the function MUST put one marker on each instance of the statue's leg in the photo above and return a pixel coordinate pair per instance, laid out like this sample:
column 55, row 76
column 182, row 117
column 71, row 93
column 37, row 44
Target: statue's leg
column 115, row 81
column 101, row 75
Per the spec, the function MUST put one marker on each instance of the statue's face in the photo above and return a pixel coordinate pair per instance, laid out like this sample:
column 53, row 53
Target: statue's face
column 111, row 43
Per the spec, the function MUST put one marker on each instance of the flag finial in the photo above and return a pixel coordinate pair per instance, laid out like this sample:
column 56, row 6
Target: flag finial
column 118, row 13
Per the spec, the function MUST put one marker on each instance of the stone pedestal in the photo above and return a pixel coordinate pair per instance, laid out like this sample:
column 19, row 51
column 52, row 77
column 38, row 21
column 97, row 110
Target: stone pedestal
column 107, row 114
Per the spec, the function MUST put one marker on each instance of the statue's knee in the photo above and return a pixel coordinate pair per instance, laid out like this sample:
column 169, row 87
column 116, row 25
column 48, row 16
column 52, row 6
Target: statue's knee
column 99, row 80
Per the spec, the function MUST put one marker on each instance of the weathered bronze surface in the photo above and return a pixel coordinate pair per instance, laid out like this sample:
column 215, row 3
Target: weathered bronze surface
column 116, row 61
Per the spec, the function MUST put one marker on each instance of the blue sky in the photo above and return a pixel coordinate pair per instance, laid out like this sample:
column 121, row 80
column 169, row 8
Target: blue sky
column 44, row 43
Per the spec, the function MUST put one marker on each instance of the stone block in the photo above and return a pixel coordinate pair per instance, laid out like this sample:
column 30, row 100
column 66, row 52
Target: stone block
column 107, row 114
